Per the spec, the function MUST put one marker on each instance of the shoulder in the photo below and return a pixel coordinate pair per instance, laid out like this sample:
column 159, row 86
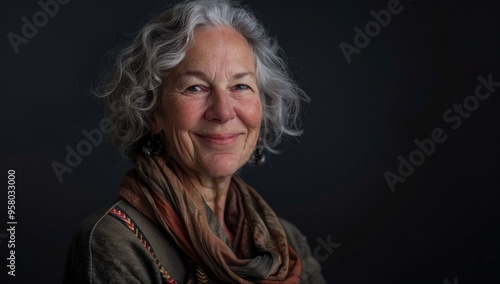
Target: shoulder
column 119, row 244
column 311, row 270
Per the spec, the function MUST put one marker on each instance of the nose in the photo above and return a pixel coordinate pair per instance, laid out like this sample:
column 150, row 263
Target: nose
column 221, row 108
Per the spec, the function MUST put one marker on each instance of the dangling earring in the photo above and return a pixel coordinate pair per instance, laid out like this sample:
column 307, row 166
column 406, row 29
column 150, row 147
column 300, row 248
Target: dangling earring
column 258, row 156
column 153, row 146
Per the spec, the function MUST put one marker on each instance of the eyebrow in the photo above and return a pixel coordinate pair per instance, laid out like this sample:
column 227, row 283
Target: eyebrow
column 200, row 74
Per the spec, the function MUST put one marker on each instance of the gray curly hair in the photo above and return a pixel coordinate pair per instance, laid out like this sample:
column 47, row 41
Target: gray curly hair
column 131, row 89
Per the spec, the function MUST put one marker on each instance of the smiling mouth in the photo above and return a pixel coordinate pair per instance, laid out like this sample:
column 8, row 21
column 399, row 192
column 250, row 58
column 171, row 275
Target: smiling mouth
column 219, row 139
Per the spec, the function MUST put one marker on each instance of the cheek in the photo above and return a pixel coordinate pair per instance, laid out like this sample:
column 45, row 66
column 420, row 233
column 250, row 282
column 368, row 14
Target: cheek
column 251, row 112
column 182, row 115
column 179, row 117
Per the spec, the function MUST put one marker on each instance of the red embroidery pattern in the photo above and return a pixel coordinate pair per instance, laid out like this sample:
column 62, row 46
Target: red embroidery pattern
column 129, row 223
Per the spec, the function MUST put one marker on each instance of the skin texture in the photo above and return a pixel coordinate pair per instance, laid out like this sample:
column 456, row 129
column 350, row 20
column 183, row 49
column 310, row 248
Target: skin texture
column 210, row 112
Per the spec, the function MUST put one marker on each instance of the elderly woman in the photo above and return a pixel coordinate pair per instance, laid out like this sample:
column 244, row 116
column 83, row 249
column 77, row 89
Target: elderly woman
column 199, row 93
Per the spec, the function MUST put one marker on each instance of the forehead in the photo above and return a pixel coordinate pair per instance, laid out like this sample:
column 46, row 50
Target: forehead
column 218, row 45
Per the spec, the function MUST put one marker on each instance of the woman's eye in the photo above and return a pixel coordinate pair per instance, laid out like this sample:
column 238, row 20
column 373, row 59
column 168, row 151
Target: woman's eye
column 195, row 88
column 241, row 87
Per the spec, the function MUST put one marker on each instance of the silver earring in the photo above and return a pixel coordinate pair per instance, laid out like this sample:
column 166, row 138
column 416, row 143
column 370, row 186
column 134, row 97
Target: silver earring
column 153, row 145
column 258, row 156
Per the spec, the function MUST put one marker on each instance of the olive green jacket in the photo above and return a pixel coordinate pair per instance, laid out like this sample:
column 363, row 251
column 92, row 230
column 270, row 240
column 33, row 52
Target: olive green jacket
column 104, row 250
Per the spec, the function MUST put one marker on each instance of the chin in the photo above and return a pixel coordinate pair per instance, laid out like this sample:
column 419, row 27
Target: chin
column 223, row 167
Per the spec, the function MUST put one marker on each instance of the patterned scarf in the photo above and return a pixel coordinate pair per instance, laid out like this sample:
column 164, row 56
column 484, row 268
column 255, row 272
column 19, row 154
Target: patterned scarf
column 258, row 253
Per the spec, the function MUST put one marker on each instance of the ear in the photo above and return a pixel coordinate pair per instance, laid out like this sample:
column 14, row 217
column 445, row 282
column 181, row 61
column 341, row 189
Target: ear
column 155, row 123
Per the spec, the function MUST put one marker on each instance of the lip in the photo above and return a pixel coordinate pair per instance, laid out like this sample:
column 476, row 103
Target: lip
column 219, row 139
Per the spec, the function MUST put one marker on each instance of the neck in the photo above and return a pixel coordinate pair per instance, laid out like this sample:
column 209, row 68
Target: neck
column 214, row 192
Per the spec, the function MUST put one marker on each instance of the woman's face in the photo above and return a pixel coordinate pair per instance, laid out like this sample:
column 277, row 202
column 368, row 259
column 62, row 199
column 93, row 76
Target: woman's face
column 210, row 109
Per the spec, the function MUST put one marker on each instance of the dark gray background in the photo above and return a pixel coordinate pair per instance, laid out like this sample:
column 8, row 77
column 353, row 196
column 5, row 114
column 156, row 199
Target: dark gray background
column 440, row 225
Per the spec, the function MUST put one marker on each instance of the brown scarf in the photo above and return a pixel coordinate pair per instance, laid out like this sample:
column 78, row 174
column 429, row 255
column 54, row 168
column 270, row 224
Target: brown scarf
column 259, row 252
